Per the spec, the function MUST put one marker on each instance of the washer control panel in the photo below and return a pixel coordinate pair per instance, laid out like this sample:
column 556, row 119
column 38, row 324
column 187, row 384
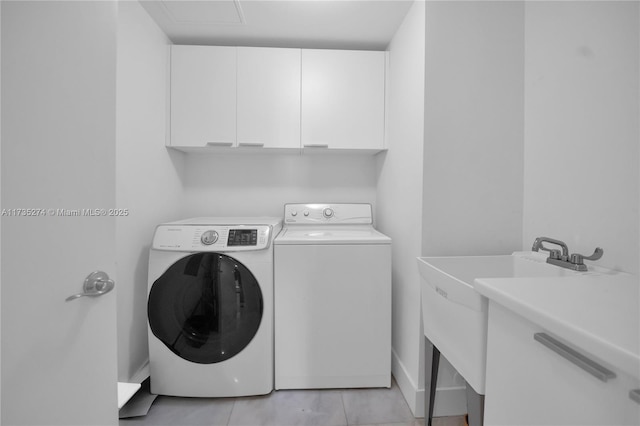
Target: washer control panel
column 212, row 237
column 315, row 214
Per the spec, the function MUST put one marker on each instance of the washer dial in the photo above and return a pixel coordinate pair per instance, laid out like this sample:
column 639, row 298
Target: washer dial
column 328, row 212
column 209, row 237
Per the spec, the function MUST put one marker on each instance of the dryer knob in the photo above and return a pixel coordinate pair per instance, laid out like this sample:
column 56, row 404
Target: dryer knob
column 328, row 212
column 209, row 237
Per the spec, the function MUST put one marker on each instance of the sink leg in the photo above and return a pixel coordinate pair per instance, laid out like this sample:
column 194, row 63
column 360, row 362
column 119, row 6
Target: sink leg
column 475, row 406
column 432, row 363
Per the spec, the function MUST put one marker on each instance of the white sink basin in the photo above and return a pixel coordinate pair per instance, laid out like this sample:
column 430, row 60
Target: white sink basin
column 455, row 315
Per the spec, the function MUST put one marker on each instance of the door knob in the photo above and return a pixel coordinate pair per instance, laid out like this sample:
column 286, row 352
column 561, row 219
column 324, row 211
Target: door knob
column 96, row 284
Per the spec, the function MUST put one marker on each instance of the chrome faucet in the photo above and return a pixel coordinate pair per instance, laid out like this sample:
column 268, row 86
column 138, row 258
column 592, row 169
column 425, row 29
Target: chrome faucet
column 562, row 258
column 553, row 253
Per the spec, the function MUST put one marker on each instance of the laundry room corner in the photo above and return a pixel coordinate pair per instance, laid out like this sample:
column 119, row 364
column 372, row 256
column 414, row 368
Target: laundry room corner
column 149, row 188
column 399, row 176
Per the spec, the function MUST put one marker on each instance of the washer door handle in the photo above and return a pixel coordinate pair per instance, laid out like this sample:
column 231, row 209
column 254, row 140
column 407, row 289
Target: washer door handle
column 96, row 284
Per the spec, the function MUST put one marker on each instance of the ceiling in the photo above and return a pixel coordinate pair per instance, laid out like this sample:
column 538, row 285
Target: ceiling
column 328, row 24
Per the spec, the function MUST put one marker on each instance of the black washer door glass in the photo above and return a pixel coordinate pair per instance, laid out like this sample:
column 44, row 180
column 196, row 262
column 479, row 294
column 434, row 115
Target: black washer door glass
column 205, row 308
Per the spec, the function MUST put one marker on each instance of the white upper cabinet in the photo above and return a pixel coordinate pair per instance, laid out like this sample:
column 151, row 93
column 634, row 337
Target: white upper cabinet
column 343, row 99
column 203, row 96
column 268, row 97
column 243, row 97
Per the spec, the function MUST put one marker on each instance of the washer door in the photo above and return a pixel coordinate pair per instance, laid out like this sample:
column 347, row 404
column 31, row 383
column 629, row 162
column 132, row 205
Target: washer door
column 205, row 308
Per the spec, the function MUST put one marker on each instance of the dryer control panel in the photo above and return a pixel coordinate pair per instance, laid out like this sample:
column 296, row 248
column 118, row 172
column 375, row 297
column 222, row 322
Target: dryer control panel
column 334, row 214
column 219, row 238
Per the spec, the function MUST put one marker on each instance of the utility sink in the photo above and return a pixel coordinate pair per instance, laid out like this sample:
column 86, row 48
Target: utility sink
column 455, row 315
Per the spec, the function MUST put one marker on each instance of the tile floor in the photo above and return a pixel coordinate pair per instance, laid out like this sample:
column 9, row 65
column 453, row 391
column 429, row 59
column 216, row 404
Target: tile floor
column 289, row 408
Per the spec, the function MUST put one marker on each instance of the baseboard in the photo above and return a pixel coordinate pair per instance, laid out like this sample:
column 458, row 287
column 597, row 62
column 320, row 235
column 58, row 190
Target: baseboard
column 450, row 401
column 407, row 385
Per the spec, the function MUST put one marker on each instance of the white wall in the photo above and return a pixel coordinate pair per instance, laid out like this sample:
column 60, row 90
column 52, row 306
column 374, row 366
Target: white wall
column 581, row 127
column 473, row 156
column 148, row 176
column 473, row 142
column 399, row 196
column 260, row 185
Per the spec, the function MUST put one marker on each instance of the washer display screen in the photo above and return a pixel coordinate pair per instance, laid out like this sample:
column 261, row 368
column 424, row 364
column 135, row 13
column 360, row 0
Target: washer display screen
column 206, row 307
column 243, row 237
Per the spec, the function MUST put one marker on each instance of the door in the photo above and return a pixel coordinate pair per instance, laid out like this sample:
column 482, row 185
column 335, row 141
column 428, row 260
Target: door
column 58, row 77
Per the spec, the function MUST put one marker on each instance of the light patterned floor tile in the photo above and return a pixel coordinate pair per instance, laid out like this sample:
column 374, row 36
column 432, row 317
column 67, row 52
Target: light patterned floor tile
column 414, row 422
column 174, row 411
column 376, row 406
column 290, row 408
column 361, row 407
column 449, row 421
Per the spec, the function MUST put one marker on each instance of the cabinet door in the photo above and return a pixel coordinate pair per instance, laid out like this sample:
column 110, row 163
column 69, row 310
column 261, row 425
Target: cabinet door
column 529, row 384
column 268, row 97
column 203, row 96
column 343, row 99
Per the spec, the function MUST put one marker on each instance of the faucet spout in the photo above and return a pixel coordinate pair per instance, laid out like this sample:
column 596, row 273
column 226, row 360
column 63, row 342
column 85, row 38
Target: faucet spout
column 537, row 245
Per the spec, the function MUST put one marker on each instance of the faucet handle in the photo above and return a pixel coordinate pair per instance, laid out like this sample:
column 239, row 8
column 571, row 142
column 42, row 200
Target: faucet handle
column 553, row 253
column 578, row 259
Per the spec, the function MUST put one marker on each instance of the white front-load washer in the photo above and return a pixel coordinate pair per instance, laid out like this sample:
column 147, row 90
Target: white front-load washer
column 210, row 307
column 332, row 299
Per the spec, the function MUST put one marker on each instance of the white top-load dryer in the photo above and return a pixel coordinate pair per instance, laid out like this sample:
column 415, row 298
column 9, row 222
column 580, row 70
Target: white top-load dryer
column 210, row 307
column 332, row 299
